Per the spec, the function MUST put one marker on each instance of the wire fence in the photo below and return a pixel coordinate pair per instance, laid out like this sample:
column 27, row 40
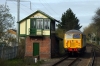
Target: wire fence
column 8, row 52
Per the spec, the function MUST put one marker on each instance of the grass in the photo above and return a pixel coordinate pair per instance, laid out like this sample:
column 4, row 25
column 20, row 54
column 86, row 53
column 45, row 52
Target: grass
column 18, row 62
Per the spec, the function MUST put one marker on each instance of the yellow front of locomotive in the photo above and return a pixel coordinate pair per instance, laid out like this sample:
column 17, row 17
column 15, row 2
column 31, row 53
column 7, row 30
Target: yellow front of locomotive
column 72, row 42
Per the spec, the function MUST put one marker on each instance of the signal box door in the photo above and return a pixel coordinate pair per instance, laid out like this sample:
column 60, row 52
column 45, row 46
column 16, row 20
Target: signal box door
column 35, row 49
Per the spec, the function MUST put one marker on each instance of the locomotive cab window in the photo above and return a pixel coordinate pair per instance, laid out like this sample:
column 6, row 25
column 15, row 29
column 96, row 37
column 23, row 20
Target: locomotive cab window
column 69, row 36
column 76, row 36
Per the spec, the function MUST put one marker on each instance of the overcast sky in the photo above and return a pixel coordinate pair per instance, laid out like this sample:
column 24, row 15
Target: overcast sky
column 83, row 9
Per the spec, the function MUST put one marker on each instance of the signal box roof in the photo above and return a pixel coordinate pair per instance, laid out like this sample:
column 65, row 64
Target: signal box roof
column 39, row 11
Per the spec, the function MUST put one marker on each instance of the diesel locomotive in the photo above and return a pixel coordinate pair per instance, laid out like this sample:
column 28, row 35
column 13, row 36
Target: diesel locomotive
column 74, row 41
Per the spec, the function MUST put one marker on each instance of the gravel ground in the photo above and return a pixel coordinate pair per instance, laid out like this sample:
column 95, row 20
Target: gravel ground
column 97, row 58
column 50, row 62
column 86, row 58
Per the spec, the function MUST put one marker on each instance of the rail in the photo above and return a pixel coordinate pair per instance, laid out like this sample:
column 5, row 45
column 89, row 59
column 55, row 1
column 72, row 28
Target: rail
column 73, row 62
column 93, row 58
column 64, row 59
column 60, row 61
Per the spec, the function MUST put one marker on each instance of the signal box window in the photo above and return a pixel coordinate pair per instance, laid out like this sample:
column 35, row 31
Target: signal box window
column 46, row 24
column 33, row 24
column 39, row 23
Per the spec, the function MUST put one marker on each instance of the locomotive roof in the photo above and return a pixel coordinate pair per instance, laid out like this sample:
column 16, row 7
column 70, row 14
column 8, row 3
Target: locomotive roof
column 74, row 31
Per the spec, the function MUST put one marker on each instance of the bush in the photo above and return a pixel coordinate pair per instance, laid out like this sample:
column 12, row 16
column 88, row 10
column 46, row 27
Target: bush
column 21, row 49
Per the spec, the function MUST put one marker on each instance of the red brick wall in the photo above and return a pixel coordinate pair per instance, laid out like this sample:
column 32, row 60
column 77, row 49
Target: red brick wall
column 44, row 47
column 28, row 47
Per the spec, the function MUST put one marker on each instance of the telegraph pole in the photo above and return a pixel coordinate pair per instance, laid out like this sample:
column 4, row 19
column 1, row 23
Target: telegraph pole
column 18, row 18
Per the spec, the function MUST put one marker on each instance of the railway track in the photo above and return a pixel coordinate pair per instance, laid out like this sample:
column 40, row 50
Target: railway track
column 75, row 60
column 95, row 61
column 92, row 59
column 67, row 61
column 86, row 60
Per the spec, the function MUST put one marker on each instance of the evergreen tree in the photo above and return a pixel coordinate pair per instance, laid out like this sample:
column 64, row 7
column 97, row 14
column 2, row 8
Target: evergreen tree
column 69, row 21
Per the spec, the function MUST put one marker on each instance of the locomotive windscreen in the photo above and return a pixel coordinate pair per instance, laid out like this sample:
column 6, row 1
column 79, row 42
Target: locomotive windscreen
column 69, row 36
column 76, row 36
column 72, row 36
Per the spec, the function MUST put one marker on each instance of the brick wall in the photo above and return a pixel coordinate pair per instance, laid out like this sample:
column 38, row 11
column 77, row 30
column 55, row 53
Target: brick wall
column 44, row 47
column 28, row 47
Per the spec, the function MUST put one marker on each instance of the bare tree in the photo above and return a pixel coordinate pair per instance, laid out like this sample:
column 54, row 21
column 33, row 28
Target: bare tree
column 96, row 20
column 6, row 19
column 90, row 31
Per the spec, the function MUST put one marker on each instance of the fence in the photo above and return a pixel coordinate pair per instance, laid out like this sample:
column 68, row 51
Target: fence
column 8, row 52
